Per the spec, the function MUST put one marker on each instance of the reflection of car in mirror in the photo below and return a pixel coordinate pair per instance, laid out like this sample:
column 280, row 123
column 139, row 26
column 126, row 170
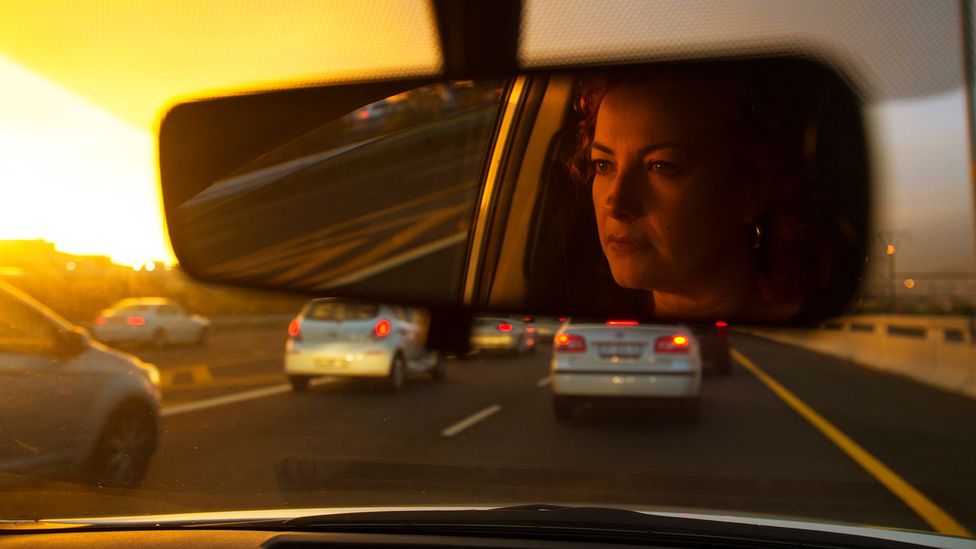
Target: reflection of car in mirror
column 70, row 406
column 153, row 320
column 342, row 338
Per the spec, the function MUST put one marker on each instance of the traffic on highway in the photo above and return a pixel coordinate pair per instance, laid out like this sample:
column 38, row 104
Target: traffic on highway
column 488, row 433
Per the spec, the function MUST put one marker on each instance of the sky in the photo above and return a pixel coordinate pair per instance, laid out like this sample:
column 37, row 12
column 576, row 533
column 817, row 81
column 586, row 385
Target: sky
column 76, row 175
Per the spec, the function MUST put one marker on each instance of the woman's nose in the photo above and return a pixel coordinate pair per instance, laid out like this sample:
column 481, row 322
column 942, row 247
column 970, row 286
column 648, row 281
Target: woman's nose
column 626, row 198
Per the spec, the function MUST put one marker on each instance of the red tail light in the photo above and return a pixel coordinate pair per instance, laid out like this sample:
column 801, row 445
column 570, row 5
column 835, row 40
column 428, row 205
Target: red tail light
column 101, row 321
column 530, row 330
column 382, row 328
column 721, row 324
column 526, row 318
column 672, row 344
column 562, row 319
column 295, row 329
column 504, row 327
column 135, row 321
column 570, row 343
column 622, row 323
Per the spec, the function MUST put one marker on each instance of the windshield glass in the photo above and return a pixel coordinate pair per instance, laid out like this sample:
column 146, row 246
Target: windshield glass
column 311, row 396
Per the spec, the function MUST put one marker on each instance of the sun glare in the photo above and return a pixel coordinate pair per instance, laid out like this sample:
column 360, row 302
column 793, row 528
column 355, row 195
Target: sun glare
column 76, row 175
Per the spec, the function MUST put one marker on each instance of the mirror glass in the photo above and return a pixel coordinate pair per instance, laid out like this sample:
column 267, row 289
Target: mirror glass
column 723, row 190
column 381, row 197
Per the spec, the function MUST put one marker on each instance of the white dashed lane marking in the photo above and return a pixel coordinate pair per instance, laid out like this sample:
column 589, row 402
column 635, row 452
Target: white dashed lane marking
column 471, row 420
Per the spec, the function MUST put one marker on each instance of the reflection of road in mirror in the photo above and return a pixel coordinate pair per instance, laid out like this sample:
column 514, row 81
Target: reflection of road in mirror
column 334, row 218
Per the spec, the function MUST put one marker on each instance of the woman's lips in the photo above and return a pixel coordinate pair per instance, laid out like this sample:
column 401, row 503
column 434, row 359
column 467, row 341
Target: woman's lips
column 625, row 244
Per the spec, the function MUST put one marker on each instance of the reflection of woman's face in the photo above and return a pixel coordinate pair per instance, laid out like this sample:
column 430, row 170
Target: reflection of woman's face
column 667, row 186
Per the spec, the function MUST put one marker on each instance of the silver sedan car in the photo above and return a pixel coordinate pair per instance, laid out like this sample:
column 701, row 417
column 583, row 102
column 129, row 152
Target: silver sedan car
column 69, row 406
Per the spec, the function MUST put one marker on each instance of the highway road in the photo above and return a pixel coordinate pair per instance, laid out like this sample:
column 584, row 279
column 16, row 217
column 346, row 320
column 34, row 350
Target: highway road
column 235, row 437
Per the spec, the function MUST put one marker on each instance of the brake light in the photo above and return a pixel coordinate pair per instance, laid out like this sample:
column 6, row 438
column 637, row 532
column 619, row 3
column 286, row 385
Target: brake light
column 526, row 318
column 530, row 330
column 295, row 329
column 135, row 321
column 382, row 328
column 101, row 321
column 672, row 344
column 562, row 319
column 570, row 343
column 622, row 323
column 721, row 324
column 504, row 327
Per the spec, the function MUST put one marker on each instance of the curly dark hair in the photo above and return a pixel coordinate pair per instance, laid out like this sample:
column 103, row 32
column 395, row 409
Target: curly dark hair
column 772, row 113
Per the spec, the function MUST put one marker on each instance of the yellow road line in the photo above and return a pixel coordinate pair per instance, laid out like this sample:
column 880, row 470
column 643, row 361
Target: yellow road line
column 931, row 513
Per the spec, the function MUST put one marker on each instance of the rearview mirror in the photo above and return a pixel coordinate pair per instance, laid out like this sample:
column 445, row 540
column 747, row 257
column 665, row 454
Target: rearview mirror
column 734, row 190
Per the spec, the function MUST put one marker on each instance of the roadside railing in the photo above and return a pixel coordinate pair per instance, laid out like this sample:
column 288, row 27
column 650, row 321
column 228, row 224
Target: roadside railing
column 935, row 350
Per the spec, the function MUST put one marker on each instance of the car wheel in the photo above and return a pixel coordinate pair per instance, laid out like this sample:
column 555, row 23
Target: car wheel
column 564, row 408
column 203, row 337
column 159, row 339
column 398, row 372
column 439, row 371
column 299, row 384
column 125, row 446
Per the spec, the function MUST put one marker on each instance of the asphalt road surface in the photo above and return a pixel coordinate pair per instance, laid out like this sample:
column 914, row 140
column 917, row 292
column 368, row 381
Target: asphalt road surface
column 235, row 437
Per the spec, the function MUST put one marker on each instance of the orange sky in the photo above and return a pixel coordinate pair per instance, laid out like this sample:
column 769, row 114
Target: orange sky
column 84, row 86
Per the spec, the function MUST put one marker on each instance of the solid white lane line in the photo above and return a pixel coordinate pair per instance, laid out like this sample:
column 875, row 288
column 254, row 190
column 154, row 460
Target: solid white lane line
column 224, row 400
column 544, row 381
column 471, row 420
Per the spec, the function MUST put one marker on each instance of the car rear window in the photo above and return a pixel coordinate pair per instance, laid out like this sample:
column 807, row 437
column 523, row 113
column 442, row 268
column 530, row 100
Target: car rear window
column 339, row 311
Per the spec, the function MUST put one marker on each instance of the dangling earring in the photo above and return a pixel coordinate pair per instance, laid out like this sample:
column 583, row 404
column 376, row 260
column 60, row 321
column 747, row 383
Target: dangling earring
column 757, row 231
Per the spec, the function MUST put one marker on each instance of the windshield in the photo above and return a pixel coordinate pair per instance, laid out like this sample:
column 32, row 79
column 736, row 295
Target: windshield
column 312, row 397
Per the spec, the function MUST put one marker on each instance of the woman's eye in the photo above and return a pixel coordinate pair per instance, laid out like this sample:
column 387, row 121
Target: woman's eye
column 602, row 166
column 663, row 167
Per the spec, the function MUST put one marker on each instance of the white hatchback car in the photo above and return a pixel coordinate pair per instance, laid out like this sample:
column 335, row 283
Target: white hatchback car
column 333, row 337
column 153, row 320
column 619, row 360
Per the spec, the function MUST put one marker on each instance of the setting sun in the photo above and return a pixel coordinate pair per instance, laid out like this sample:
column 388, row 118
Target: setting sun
column 75, row 174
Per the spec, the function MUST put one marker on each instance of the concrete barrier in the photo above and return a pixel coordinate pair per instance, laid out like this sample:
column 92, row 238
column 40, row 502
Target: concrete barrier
column 935, row 350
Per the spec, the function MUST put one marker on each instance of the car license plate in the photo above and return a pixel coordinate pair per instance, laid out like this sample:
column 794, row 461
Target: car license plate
column 620, row 350
column 332, row 363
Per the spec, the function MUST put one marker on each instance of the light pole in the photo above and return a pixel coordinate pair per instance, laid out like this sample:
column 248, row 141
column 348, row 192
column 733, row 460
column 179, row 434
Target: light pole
column 890, row 251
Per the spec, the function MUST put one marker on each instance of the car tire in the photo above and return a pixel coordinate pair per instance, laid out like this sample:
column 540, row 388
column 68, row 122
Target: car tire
column 564, row 408
column 299, row 384
column 124, row 448
column 439, row 371
column 159, row 339
column 398, row 373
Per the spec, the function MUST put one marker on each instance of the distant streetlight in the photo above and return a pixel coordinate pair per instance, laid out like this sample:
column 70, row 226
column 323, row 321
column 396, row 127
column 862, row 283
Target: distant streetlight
column 890, row 250
column 150, row 266
column 909, row 283
column 70, row 266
